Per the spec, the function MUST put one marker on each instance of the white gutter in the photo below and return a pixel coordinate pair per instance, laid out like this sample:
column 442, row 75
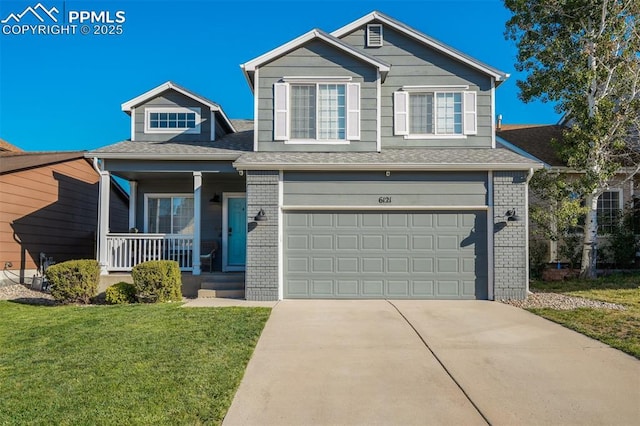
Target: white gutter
column 379, row 166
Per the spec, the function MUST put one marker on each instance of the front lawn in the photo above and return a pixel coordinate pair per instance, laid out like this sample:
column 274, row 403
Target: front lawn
column 619, row 329
column 138, row 364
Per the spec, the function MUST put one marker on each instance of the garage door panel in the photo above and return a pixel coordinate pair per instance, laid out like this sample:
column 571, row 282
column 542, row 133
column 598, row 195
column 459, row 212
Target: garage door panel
column 422, row 265
column 347, row 288
column 385, row 255
column 422, row 242
column 322, row 265
column 448, row 265
column 298, row 287
column 372, row 265
column 348, row 264
column 347, row 242
column 322, row 242
column 398, row 288
column 321, row 288
column 298, row 264
column 372, row 242
column 397, row 265
column 398, row 242
column 298, row 242
column 373, row 288
column 447, row 288
column 422, row 288
column 349, row 220
column 447, row 242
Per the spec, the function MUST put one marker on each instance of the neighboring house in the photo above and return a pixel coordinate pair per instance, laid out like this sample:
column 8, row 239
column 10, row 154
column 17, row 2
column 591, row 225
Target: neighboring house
column 536, row 141
column 49, row 205
column 371, row 171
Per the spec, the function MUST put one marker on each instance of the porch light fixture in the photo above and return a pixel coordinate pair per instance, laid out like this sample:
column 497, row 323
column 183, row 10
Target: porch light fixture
column 215, row 199
column 511, row 216
column 261, row 216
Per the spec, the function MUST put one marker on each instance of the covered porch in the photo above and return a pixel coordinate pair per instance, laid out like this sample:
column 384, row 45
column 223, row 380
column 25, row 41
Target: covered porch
column 193, row 212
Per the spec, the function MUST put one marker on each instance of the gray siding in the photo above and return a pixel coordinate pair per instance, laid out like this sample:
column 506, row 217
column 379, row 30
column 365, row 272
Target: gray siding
column 415, row 64
column 403, row 188
column 262, row 238
column 317, row 59
column 172, row 98
column 510, row 253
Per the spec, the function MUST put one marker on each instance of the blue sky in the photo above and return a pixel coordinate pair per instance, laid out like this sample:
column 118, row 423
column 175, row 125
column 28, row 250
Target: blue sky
column 63, row 92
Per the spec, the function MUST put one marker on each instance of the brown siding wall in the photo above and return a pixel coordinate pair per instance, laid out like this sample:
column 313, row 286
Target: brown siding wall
column 51, row 209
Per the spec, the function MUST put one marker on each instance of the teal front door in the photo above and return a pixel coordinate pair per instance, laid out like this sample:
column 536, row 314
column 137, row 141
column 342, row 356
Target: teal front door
column 236, row 232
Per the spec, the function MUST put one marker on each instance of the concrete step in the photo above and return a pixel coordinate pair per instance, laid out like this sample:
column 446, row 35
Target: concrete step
column 224, row 277
column 227, row 294
column 228, row 285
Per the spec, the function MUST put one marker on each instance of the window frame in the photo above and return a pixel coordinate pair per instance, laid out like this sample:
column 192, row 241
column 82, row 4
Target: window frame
column 620, row 208
column 172, row 130
column 283, row 109
column 467, row 111
column 169, row 196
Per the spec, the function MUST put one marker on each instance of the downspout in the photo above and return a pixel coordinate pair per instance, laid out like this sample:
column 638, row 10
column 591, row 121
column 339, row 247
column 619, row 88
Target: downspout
column 526, row 227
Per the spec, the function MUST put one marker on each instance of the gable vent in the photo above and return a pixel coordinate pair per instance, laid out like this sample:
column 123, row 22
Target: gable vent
column 374, row 35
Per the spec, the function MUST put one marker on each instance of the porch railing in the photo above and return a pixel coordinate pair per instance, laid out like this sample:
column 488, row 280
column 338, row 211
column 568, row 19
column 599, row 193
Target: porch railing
column 127, row 250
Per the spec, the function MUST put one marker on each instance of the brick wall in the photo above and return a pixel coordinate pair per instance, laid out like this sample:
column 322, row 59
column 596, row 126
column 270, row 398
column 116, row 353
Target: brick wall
column 262, row 237
column 509, row 241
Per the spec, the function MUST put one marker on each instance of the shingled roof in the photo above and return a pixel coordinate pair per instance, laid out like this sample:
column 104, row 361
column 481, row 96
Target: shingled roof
column 535, row 140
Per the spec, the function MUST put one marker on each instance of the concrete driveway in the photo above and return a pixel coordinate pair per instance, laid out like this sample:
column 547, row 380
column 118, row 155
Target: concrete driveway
column 430, row 362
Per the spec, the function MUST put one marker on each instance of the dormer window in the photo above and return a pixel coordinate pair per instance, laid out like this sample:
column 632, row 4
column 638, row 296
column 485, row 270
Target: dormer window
column 172, row 120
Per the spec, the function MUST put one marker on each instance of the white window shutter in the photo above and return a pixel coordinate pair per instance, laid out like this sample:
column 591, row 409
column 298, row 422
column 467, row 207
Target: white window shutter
column 281, row 111
column 470, row 114
column 353, row 111
column 401, row 113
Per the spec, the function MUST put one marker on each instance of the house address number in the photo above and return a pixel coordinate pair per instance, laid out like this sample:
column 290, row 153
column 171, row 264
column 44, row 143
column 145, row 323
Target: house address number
column 384, row 200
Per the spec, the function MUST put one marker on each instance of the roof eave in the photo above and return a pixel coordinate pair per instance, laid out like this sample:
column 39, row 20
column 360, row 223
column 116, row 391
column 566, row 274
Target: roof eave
column 389, row 167
column 162, row 157
column 250, row 67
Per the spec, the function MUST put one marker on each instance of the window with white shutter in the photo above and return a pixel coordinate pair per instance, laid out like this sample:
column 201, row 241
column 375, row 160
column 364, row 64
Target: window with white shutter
column 281, row 111
column 306, row 111
column 433, row 113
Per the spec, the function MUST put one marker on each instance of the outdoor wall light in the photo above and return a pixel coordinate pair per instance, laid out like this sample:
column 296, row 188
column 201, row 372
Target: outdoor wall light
column 215, row 199
column 511, row 216
column 261, row 216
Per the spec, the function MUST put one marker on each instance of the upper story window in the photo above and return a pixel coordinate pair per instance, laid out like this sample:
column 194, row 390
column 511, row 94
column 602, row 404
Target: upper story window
column 421, row 112
column 318, row 111
column 172, row 120
column 322, row 112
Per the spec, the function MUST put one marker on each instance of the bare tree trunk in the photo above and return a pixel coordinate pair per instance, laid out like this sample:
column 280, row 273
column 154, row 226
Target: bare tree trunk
column 588, row 264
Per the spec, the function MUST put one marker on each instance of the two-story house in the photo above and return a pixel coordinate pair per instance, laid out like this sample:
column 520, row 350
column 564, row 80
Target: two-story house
column 372, row 171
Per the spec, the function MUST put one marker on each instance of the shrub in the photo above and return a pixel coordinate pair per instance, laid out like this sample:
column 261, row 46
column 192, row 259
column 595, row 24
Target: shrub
column 538, row 256
column 157, row 281
column 120, row 293
column 74, row 281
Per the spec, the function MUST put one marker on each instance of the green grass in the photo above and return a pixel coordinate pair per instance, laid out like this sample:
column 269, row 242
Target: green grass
column 619, row 329
column 137, row 364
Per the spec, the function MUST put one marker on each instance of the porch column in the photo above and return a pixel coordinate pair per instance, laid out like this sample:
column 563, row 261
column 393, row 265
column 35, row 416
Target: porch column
column 103, row 221
column 133, row 199
column 197, row 206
